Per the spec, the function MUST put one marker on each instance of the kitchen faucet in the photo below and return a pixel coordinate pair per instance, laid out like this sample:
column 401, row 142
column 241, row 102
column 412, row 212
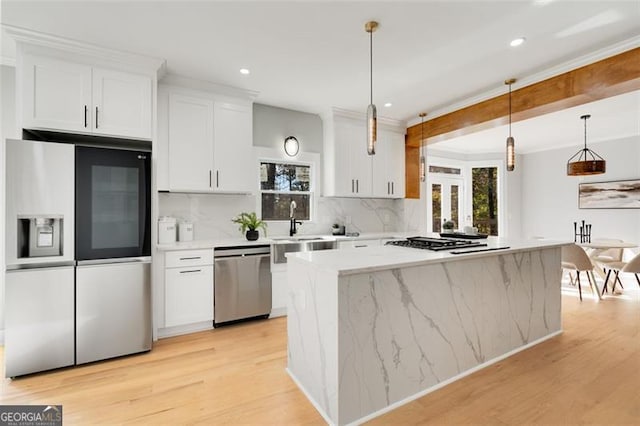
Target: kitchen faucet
column 292, row 217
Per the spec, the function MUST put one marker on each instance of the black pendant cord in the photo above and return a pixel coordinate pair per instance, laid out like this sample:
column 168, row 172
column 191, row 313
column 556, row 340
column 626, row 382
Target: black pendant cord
column 585, row 133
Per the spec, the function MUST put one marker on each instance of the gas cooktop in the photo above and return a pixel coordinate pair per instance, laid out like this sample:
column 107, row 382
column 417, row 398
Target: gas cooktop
column 435, row 244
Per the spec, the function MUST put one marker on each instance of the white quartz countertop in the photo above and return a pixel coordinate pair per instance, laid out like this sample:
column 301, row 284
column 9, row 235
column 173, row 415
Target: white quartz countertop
column 241, row 241
column 369, row 259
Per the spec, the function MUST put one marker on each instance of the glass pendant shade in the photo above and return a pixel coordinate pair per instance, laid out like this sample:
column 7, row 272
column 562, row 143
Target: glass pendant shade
column 423, row 168
column 586, row 162
column 511, row 154
column 372, row 129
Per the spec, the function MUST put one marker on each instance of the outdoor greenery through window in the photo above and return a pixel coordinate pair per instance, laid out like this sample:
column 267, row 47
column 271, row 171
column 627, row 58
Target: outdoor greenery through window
column 281, row 183
column 485, row 199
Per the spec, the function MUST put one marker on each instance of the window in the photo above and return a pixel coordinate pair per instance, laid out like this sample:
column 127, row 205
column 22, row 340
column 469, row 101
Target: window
column 282, row 183
column 485, row 199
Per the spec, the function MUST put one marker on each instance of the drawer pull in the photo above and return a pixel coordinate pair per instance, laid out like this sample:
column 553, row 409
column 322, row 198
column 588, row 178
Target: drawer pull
column 364, row 245
column 191, row 258
column 191, row 271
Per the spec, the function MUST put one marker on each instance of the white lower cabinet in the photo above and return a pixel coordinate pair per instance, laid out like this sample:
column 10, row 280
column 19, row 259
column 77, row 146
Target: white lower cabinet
column 278, row 293
column 188, row 287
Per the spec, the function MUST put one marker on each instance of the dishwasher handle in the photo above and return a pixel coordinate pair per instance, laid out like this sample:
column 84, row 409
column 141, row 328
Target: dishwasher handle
column 241, row 251
column 240, row 256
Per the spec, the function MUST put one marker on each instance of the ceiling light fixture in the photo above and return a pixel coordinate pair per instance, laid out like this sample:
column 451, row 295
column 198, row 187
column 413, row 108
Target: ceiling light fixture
column 511, row 148
column 517, row 41
column 587, row 161
column 388, row 104
column 244, row 71
column 372, row 118
column 423, row 161
column 291, row 146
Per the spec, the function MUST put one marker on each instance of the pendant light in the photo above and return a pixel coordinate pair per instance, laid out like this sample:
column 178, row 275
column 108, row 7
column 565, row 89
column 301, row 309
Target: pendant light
column 372, row 118
column 586, row 161
column 511, row 148
column 423, row 162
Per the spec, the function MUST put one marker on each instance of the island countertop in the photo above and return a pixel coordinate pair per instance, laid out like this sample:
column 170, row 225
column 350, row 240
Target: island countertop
column 371, row 259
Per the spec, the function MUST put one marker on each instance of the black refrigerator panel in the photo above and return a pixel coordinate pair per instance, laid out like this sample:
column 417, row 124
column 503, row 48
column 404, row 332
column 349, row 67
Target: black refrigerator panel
column 113, row 203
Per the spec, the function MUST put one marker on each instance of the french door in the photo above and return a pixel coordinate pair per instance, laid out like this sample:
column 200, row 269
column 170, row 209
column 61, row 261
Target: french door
column 444, row 202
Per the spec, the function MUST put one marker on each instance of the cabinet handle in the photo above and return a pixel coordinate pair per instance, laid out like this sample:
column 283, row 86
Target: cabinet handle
column 191, row 271
column 357, row 186
column 217, row 179
column 360, row 246
column 393, row 191
column 86, row 111
column 209, row 178
column 96, row 117
column 388, row 190
column 191, row 258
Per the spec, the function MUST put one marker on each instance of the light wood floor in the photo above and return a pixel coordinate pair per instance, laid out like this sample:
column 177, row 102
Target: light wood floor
column 588, row 375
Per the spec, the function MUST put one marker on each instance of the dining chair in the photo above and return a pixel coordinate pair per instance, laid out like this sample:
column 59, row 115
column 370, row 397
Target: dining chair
column 576, row 259
column 605, row 257
column 632, row 267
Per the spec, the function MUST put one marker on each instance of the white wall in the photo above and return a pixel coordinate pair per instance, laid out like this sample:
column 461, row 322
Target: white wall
column 550, row 197
column 7, row 130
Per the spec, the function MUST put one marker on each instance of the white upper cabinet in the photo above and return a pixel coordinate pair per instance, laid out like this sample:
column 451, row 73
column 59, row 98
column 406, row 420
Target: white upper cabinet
column 233, row 141
column 71, row 97
column 56, row 94
column 349, row 171
column 205, row 142
column 389, row 165
column 190, row 150
column 122, row 104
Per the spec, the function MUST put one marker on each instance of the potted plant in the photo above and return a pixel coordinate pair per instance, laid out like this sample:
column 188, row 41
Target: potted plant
column 249, row 224
column 448, row 225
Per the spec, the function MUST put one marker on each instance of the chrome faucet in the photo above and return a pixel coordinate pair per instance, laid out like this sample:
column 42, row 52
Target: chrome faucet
column 292, row 217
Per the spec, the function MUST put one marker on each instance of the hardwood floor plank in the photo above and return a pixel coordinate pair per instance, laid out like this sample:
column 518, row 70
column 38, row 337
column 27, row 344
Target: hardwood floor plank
column 236, row 375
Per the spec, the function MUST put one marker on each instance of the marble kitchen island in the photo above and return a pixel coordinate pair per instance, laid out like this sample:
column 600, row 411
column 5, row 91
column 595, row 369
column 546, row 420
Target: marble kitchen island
column 371, row 329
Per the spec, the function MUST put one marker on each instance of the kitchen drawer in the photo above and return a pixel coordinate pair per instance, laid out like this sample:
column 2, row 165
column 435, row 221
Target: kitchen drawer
column 358, row 243
column 179, row 259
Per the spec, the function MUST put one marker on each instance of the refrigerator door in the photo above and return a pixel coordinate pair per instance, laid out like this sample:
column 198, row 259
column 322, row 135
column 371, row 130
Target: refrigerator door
column 113, row 203
column 40, row 184
column 113, row 309
column 38, row 320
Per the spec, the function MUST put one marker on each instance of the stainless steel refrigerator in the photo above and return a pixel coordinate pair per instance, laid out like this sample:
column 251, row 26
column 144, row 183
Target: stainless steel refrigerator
column 78, row 255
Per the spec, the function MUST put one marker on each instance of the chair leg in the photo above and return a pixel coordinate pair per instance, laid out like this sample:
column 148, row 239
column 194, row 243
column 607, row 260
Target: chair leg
column 579, row 286
column 606, row 280
column 615, row 281
column 594, row 283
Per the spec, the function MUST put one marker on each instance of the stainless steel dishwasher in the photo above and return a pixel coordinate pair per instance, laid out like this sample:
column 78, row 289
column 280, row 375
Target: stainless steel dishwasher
column 242, row 283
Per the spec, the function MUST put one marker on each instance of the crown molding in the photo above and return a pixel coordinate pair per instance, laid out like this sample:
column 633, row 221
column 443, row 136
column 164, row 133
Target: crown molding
column 561, row 68
column 34, row 38
column 393, row 124
column 202, row 85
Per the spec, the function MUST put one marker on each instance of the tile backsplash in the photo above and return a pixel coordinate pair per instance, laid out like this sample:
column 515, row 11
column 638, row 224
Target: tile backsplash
column 212, row 214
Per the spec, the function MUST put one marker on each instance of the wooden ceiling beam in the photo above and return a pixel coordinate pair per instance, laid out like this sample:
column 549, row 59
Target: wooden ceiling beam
column 608, row 77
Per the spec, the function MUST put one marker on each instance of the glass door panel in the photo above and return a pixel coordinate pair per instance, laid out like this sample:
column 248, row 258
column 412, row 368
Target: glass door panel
column 444, row 202
column 436, row 207
column 485, row 199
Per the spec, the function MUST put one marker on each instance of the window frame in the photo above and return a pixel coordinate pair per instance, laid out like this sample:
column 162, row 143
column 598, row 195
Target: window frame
column 311, row 160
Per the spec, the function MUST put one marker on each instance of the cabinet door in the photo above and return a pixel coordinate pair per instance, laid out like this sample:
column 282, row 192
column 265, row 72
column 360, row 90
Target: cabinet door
column 396, row 165
column 190, row 143
column 55, row 95
column 388, row 165
column 235, row 170
column 188, row 295
column 121, row 104
column 361, row 162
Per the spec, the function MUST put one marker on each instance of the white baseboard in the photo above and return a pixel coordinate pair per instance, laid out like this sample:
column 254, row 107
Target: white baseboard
column 278, row 312
column 184, row 329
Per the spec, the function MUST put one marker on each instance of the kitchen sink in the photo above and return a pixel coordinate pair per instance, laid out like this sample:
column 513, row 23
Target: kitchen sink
column 292, row 245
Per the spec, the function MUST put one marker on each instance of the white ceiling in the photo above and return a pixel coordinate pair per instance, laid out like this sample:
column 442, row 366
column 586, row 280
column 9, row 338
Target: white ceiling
column 313, row 55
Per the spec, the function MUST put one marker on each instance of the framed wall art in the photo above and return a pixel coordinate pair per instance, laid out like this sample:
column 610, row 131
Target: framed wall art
column 619, row 194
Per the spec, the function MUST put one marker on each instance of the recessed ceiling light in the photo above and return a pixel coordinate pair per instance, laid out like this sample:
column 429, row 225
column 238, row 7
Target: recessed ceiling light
column 388, row 104
column 244, row 71
column 517, row 42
